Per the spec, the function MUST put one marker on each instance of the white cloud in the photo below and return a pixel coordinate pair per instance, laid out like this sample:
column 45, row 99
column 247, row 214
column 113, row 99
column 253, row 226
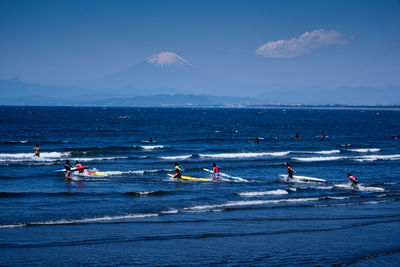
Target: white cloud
column 304, row 44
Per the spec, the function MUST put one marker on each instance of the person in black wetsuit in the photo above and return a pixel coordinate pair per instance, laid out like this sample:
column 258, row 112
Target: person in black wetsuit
column 67, row 167
column 290, row 171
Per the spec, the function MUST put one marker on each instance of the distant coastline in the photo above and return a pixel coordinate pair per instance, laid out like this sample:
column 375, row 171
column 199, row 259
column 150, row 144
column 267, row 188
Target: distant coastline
column 327, row 107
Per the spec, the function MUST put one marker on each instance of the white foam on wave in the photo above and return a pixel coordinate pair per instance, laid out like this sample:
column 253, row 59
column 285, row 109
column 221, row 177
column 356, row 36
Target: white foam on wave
column 246, row 155
column 202, row 208
column 152, row 147
column 145, row 192
column 47, row 157
column 12, row 225
column 377, row 157
column 338, row 198
column 13, row 141
column 323, row 187
column 322, row 152
column 176, row 157
column 345, row 145
column 84, row 220
column 170, row 211
column 365, row 150
column 353, row 203
column 312, row 159
column 263, row 193
column 97, row 219
column 98, row 159
column 327, row 152
column 43, row 155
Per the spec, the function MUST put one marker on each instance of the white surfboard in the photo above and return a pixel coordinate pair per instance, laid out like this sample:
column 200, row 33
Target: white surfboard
column 298, row 178
column 359, row 187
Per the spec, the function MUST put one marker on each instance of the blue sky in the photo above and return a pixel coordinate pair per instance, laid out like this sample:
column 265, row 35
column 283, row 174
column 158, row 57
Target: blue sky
column 349, row 43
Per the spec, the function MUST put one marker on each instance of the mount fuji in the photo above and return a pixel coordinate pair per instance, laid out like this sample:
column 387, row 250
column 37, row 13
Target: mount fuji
column 163, row 73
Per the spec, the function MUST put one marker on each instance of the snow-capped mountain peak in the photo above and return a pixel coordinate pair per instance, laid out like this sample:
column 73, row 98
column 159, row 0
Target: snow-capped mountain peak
column 167, row 59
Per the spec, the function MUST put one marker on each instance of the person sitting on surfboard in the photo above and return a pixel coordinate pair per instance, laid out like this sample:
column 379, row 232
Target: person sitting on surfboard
column 215, row 172
column 67, row 167
column 352, row 179
column 290, row 171
column 178, row 171
column 37, row 151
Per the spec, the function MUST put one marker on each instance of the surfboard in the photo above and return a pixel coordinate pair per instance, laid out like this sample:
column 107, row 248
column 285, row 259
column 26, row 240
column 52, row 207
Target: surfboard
column 359, row 187
column 89, row 174
column 227, row 176
column 193, row 178
column 98, row 173
column 298, row 178
column 73, row 169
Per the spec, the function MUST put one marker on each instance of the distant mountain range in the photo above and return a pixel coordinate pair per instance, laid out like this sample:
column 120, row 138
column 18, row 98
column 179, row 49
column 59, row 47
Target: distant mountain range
column 168, row 79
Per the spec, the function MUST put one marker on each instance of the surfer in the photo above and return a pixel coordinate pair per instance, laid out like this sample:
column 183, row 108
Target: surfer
column 290, row 171
column 297, row 136
column 215, row 172
column 353, row 180
column 37, row 151
column 151, row 140
column 177, row 171
column 67, row 167
column 323, row 135
column 78, row 165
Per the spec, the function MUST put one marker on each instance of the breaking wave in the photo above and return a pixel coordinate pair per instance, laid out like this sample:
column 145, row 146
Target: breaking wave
column 263, row 193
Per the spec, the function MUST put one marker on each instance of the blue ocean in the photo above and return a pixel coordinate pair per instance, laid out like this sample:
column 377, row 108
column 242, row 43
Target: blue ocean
column 135, row 214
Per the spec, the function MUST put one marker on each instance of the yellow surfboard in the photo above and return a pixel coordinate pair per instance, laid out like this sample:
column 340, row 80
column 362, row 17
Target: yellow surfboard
column 98, row 173
column 193, row 178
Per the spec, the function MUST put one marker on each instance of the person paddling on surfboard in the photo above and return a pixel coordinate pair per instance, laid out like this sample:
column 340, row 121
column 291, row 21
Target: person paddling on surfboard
column 353, row 180
column 67, row 167
column 37, row 151
column 178, row 171
column 290, row 171
column 215, row 172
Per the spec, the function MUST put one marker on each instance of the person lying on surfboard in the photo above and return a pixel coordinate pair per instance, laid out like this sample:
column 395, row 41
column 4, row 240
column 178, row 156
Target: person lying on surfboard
column 290, row 171
column 215, row 173
column 67, row 167
column 178, row 171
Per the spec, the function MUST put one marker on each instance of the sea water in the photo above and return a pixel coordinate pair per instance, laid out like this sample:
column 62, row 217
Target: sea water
column 137, row 215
